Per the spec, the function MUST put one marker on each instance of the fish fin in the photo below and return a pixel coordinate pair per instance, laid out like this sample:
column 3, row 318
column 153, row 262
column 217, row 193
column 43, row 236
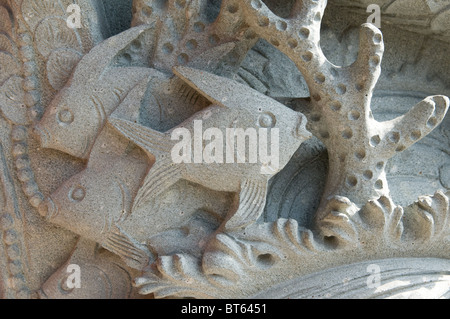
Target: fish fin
column 129, row 107
column 213, row 57
column 163, row 174
column 116, row 84
column 252, row 200
column 223, row 91
column 100, row 57
column 135, row 255
column 150, row 140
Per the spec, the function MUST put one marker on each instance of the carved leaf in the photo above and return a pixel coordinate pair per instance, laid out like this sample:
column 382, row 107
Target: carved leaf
column 35, row 11
column 299, row 239
column 5, row 42
column 225, row 258
column 11, row 101
column 426, row 220
column 383, row 216
column 258, row 248
column 8, row 66
column 394, row 225
column 284, row 236
column 52, row 34
column 60, row 64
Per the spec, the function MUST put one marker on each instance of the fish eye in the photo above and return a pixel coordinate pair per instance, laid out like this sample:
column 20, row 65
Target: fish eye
column 267, row 120
column 65, row 116
column 77, row 193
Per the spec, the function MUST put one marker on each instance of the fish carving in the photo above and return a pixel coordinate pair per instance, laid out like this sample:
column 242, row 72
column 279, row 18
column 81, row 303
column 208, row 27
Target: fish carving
column 94, row 203
column 234, row 106
column 76, row 115
column 102, row 275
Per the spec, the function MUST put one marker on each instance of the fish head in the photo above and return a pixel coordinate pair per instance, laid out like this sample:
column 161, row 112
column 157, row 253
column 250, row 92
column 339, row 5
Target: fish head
column 286, row 131
column 74, row 197
column 69, row 124
column 66, row 282
column 87, row 202
column 90, row 273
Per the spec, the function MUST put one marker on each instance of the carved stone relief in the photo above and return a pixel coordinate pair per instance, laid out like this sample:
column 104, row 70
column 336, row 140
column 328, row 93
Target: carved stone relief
column 224, row 149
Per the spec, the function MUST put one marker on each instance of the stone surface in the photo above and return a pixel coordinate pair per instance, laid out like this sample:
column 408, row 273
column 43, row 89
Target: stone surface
column 115, row 161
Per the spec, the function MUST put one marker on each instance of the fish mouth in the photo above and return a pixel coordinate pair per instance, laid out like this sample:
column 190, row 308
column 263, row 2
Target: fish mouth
column 48, row 208
column 43, row 135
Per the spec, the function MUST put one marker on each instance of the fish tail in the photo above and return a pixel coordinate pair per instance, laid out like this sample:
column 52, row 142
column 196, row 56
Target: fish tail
column 100, row 57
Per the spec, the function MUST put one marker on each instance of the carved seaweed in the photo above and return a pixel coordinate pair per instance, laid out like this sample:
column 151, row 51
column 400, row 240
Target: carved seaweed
column 229, row 259
column 427, row 220
column 233, row 260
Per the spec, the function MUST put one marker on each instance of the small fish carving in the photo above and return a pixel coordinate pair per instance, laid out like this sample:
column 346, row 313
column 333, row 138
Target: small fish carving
column 233, row 106
column 90, row 273
column 77, row 114
column 94, row 203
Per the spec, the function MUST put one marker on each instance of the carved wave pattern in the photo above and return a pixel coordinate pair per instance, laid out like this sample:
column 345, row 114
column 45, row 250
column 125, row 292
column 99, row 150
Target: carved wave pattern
column 374, row 279
column 271, row 248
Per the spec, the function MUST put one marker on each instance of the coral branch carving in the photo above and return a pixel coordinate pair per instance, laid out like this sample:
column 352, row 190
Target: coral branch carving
column 340, row 114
